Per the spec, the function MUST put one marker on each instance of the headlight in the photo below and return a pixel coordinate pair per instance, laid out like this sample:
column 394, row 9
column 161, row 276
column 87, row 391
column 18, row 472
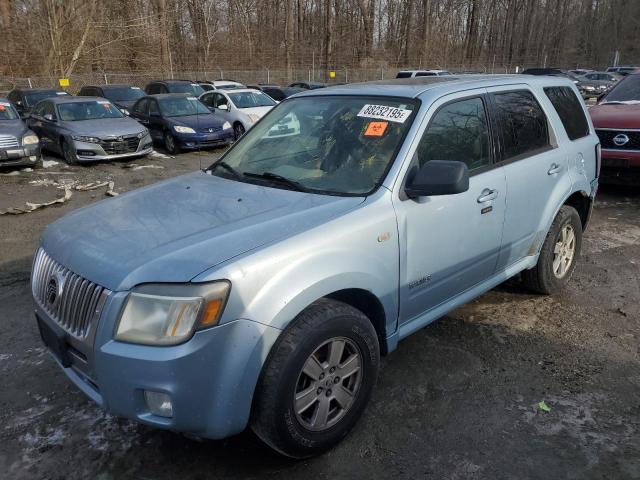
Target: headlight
column 30, row 139
column 143, row 133
column 169, row 314
column 254, row 118
column 181, row 129
column 226, row 126
column 83, row 138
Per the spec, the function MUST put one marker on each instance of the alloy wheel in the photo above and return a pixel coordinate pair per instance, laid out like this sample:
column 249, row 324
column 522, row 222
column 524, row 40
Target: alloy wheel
column 328, row 384
column 564, row 251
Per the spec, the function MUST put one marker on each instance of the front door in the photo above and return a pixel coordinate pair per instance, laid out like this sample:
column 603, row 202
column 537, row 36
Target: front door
column 450, row 243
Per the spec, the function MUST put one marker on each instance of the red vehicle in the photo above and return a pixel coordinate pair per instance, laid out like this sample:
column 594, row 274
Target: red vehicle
column 616, row 119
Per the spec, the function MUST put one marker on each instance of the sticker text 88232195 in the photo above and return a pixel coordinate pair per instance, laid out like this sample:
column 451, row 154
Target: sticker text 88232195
column 384, row 112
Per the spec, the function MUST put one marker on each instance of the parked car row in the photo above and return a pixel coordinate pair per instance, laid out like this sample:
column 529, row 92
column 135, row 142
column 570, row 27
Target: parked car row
column 123, row 121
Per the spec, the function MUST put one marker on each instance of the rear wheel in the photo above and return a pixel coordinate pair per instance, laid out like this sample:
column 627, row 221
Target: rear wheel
column 170, row 144
column 317, row 380
column 558, row 255
column 238, row 130
column 69, row 152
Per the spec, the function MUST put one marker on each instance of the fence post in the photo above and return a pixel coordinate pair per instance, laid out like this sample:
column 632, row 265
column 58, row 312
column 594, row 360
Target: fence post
column 346, row 75
column 106, row 82
column 268, row 76
column 29, row 80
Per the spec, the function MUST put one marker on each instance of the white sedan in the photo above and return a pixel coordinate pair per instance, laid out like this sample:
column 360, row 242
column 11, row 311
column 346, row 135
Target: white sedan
column 240, row 107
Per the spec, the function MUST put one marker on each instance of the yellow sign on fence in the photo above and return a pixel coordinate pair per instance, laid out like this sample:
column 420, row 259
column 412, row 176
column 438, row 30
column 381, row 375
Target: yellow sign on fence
column 64, row 82
column 332, row 74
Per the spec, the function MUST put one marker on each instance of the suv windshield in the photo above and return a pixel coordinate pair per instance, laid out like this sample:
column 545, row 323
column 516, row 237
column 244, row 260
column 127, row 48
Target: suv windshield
column 191, row 88
column 627, row 90
column 251, row 99
column 7, row 112
column 336, row 144
column 181, row 106
column 87, row 110
column 31, row 98
column 123, row 94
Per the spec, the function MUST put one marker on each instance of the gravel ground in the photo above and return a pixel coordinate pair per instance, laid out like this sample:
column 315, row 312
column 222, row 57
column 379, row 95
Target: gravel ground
column 457, row 400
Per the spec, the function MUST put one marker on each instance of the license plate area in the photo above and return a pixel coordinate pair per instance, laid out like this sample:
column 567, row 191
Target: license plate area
column 55, row 340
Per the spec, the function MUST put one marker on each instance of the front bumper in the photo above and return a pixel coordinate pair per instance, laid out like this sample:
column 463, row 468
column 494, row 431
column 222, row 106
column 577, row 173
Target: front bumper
column 620, row 167
column 210, row 379
column 20, row 156
column 92, row 152
column 193, row 141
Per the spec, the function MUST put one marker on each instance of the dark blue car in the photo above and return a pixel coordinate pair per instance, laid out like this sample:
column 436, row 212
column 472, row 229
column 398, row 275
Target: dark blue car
column 181, row 122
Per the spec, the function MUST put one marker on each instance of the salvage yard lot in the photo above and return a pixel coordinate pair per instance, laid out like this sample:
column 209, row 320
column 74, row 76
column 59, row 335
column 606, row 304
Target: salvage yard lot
column 456, row 400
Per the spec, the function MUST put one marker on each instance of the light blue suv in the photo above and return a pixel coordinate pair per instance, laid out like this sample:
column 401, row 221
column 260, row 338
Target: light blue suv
column 263, row 290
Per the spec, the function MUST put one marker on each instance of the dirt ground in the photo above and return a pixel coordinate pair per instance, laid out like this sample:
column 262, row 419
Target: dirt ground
column 457, row 400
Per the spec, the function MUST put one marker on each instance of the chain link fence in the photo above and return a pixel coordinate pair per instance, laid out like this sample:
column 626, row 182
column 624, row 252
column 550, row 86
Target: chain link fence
column 253, row 76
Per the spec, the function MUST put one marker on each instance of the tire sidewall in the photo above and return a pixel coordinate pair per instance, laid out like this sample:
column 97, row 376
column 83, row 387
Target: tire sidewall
column 170, row 143
column 566, row 216
column 68, row 152
column 300, row 440
column 238, row 130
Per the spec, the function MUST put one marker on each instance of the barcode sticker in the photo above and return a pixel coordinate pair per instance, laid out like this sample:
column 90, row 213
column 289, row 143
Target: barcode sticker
column 384, row 112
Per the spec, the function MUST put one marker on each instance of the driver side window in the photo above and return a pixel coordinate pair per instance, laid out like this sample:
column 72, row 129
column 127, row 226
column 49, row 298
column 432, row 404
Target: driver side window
column 459, row 131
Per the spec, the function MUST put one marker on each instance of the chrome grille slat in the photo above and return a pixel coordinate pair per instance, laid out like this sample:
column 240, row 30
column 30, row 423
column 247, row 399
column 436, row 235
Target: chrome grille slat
column 80, row 301
column 8, row 141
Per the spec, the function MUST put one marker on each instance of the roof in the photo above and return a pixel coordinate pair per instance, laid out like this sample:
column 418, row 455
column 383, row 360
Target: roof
column 74, row 99
column 43, row 89
column 109, row 85
column 171, row 81
column 414, row 87
column 238, row 90
column 168, row 95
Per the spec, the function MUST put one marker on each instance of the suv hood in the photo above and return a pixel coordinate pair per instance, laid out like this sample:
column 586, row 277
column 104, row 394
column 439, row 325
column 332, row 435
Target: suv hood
column 17, row 128
column 616, row 115
column 173, row 230
column 104, row 127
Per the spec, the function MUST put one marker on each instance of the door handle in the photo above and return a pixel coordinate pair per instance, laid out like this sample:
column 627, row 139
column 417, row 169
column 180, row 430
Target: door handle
column 487, row 194
column 553, row 169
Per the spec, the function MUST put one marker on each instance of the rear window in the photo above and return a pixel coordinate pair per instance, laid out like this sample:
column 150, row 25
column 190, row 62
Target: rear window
column 522, row 121
column 569, row 110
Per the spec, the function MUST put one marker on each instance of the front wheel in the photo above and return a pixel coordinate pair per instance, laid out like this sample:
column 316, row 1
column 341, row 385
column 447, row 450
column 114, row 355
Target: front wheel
column 238, row 130
column 558, row 255
column 170, row 144
column 317, row 380
column 69, row 152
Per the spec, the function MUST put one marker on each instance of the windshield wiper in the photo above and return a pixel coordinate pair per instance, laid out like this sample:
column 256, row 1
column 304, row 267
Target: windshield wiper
column 228, row 168
column 274, row 177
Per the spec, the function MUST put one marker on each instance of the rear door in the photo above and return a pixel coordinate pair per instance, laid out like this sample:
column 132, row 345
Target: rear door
column 450, row 243
column 536, row 168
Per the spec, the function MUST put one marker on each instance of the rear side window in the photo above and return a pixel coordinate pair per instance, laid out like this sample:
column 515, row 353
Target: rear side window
column 569, row 110
column 458, row 131
column 522, row 121
column 403, row 75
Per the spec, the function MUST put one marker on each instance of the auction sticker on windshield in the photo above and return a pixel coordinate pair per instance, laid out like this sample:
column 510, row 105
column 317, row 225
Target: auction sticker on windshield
column 384, row 112
column 375, row 129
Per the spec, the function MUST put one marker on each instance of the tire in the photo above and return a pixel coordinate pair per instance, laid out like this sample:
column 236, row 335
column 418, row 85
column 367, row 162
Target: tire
column 238, row 130
column 554, row 269
column 170, row 144
column 69, row 153
column 318, row 330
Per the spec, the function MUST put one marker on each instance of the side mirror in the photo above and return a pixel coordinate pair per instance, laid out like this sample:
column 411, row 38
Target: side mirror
column 224, row 106
column 48, row 117
column 438, row 177
column 154, row 114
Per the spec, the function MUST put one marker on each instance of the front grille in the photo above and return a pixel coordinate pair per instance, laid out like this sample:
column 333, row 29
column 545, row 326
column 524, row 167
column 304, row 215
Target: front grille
column 606, row 139
column 73, row 302
column 8, row 141
column 209, row 129
column 128, row 144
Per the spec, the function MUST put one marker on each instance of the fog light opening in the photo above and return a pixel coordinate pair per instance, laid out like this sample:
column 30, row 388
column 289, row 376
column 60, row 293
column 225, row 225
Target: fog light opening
column 159, row 403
